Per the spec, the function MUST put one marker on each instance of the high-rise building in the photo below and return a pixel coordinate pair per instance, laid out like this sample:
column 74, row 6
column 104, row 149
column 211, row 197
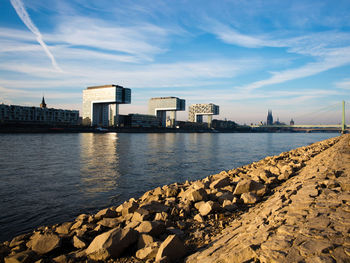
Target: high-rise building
column 269, row 120
column 159, row 107
column 101, row 104
column 196, row 112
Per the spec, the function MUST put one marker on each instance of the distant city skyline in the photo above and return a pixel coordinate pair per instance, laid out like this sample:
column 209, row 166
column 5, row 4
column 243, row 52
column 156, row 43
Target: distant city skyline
column 292, row 57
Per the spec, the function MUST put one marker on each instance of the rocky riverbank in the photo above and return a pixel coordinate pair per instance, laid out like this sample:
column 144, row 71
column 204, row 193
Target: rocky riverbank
column 294, row 207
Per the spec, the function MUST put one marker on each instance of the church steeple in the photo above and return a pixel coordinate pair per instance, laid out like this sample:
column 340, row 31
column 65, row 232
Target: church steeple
column 43, row 104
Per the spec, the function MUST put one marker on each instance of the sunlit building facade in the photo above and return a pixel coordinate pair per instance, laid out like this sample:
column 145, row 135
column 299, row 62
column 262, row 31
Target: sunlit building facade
column 197, row 111
column 101, row 104
column 160, row 106
column 42, row 115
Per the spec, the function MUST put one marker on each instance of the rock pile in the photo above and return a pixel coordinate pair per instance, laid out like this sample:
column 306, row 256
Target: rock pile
column 170, row 222
column 306, row 219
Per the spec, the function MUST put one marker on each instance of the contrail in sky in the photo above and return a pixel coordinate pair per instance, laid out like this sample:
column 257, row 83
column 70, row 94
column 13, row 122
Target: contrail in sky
column 22, row 13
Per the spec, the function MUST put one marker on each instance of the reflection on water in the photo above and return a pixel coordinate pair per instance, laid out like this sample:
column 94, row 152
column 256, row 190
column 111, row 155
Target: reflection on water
column 51, row 178
column 99, row 163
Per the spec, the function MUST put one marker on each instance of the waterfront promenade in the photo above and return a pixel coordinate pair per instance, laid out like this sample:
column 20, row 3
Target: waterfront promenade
column 287, row 208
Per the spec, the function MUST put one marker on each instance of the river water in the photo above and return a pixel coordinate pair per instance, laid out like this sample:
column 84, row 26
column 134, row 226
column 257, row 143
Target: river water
column 52, row 178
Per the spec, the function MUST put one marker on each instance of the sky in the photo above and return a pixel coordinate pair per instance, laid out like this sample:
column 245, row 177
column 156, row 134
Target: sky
column 292, row 57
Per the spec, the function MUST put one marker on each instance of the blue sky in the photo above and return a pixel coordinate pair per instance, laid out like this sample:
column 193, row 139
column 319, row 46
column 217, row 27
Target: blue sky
column 247, row 56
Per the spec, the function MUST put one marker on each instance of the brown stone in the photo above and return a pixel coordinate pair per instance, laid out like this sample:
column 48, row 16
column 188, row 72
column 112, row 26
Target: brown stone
column 207, row 208
column 196, row 195
column 198, row 218
column 141, row 214
column 161, row 216
column 172, row 248
column 111, row 244
column 144, row 240
column 22, row 257
column 155, row 207
column 106, row 213
column 109, row 222
column 148, row 252
column 219, row 183
column 153, row 228
column 128, row 207
column 45, row 243
column 249, row 198
column 78, row 243
column 171, row 192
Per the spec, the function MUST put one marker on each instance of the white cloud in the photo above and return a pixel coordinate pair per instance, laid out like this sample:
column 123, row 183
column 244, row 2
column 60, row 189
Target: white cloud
column 334, row 58
column 345, row 84
column 143, row 40
column 24, row 16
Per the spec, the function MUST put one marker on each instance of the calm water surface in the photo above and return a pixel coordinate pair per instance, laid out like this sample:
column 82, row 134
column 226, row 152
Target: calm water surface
column 51, row 178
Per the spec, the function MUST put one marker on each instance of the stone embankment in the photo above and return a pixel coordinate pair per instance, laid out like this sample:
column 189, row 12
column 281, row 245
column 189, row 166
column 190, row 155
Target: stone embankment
column 294, row 207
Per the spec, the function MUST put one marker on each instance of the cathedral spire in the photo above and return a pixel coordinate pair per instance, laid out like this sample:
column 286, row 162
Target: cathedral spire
column 43, row 104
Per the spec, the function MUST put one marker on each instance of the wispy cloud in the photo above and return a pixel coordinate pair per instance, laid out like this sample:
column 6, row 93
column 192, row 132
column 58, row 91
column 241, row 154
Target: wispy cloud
column 344, row 84
column 24, row 16
column 333, row 59
column 328, row 49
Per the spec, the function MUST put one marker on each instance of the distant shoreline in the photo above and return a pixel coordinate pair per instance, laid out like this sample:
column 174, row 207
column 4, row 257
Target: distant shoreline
column 44, row 128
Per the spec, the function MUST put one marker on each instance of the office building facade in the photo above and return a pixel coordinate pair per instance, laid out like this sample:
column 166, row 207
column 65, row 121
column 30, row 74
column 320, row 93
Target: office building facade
column 101, row 104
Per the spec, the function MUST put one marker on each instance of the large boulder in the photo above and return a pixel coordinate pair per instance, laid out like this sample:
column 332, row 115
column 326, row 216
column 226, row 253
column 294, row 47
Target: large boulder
column 249, row 198
column 172, row 248
column 111, row 244
column 246, row 186
column 45, row 243
column 196, row 195
column 64, row 228
column 208, row 207
column 153, row 228
column 140, row 215
column 155, row 207
column 109, row 222
column 106, row 213
column 148, row 252
column 219, row 183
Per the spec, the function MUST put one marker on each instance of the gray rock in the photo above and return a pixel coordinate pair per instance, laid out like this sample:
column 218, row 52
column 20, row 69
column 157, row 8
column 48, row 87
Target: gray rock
column 111, row 244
